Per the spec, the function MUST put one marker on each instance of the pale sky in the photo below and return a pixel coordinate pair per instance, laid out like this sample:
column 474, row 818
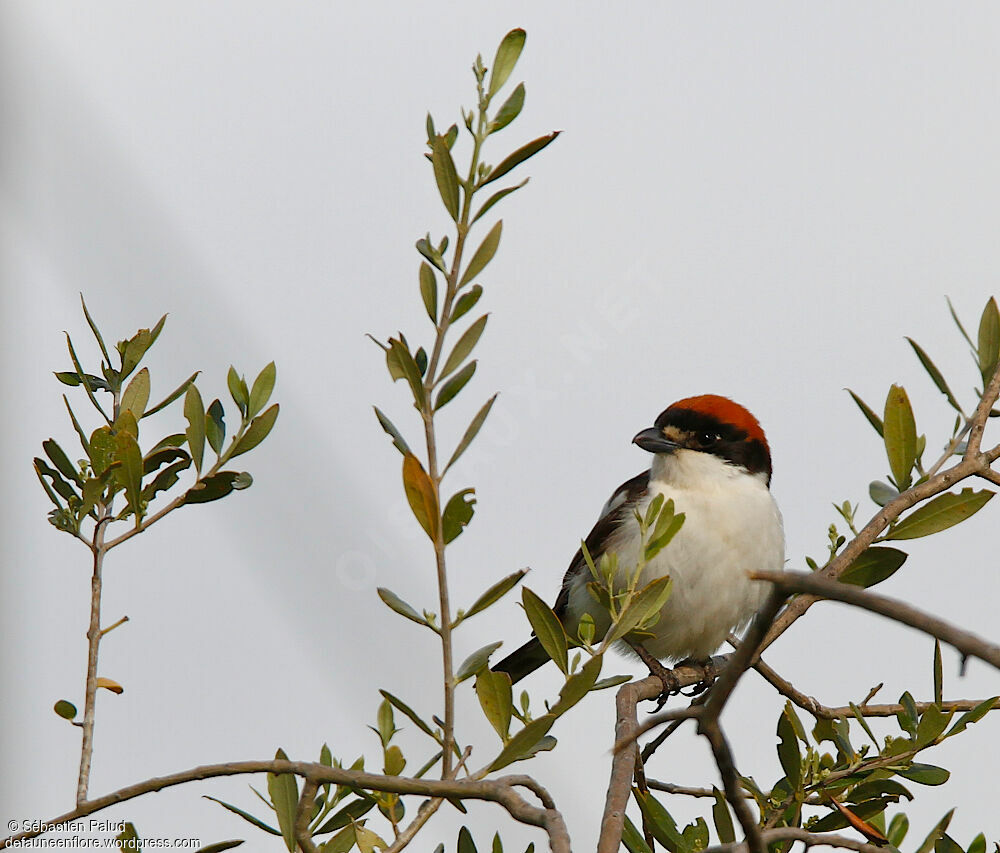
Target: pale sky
column 756, row 200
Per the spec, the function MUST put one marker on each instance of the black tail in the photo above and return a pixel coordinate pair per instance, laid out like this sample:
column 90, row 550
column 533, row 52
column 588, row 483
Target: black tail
column 523, row 661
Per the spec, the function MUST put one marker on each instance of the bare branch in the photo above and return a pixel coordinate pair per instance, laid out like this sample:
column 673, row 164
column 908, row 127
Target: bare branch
column 302, row 816
column 820, row 587
column 500, row 790
column 978, row 419
column 821, row 711
column 792, row 833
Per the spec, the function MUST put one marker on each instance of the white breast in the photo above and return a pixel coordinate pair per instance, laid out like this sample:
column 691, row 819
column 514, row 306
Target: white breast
column 732, row 526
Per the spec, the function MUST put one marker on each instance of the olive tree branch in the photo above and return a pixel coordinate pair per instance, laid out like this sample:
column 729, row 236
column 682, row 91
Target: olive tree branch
column 792, row 833
column 818, row 587
column 821, row 711
column 501, row 790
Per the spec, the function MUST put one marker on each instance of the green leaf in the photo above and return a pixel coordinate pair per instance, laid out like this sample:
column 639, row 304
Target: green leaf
column 194, row 413
column 66, row 710
column 395, row 763
column 961, row 328
column 405, row 366
column 900, row 436
column 445, row 175
column 215, row 426
column 942, row 512
column 284, row 792
column 497, row 196
column 457, row 382
column 466, row 302
column 84, row 442
column 547, row 628
column 129, row 475
column 86, row 379
column 95, row 330
column 947, row 844
column 465, row 842
column 936, row 377
column 521, row 744
column 427, row 249
column 220, row 846
column 353, row 811
column 506, row 58
column 788, row 751
column 475, row 662
column 61, row 461
column 874, row 566
column 470, row 433
column 173, row 395
column 237, row 390
column 495, row 697
column 484, row 254
column 394, row 602
column 978, row 844
column 938, row 673
column 881, row 493
column 924, row 774
column 659, row 820
column 495, row 592
column 932, row 723
column 633, row 840
column 258, row 430
column 249, row 818
column 898, row 827
column 58, row 483
column 457, row 514
column 878, row 788
column 465, row 345
column 400, row 705
column 428, row 291
column 217, row 486
column 90, row 382
column 646, row 603
column 510, row 110
column 989, row 340
column 667, row 527
column 136, row 395
column 343, row 841
column 165, row 479
column 161, row 456
column 397, row 437
column 866, row 410
column 722, row 819
column 518, row 157
column 578, row 685
column 263, row 385
column 935, row 833
column 973, row 716
column 612, row 681
column 421, row 496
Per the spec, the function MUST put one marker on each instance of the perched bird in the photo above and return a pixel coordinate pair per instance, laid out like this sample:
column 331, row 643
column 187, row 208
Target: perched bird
column 711, row 457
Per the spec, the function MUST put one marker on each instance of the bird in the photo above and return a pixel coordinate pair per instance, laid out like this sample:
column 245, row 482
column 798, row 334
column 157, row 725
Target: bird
column 711, row 457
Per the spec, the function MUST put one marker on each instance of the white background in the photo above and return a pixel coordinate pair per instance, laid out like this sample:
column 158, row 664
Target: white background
column 757, row 201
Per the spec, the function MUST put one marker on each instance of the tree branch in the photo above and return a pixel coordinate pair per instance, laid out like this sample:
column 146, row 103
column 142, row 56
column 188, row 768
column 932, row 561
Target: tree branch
column 500, row 790
column 820, row 587
column 821, row 711
column 792, row 833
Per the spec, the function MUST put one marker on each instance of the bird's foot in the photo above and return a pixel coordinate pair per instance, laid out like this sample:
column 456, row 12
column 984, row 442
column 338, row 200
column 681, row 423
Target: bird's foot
column 707, row 679
column 670, row 682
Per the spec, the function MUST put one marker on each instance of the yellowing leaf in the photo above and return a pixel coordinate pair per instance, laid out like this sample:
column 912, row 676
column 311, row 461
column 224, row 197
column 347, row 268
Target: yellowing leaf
column 110, row 684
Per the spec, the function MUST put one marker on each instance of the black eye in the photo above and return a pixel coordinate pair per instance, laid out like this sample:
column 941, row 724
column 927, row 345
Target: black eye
column 707, row 439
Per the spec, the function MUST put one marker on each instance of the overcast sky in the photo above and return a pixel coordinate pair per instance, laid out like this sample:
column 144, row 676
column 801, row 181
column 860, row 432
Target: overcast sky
column 753, row 200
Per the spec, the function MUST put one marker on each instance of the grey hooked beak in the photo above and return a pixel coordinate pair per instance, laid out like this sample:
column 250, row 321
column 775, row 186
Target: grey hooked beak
column 654, row 441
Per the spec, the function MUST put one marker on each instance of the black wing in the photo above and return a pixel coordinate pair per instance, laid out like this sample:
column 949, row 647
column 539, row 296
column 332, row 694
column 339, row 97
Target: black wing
column 618, row 507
